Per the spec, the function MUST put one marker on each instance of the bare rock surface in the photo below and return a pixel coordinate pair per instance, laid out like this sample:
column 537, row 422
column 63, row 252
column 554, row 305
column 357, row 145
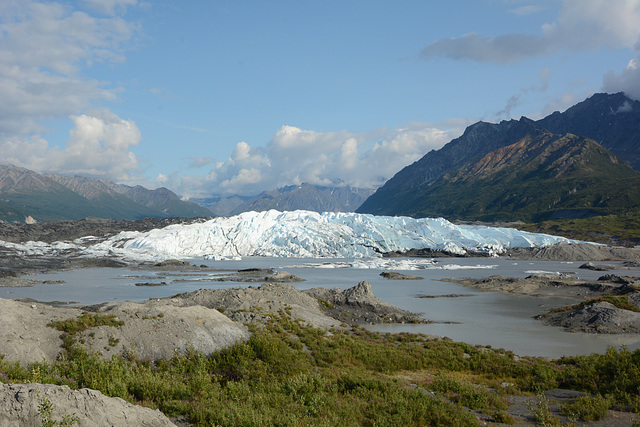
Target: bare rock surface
column 318, row 307
column 360, row 305
column 394, row 275
column 153, row 330
column 25, row 336
column 19, row 407
column 598, row 318
column 535, row 284
column 575, row 252
column 257, row 304
column 157, row 330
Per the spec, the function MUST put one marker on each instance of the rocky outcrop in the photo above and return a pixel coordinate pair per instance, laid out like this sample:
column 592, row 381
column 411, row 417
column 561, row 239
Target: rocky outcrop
column 318, row 307
column 591, row 266
column 19, row 405
column 259, row 304
column 360, row 305
column 283, row 277
column 160, row 328
column 597, row 318
column 535, row 284
column 394, row 275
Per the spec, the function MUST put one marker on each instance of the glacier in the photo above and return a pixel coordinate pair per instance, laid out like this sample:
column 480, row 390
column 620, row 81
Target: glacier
column 300, row 234
column 308, row 234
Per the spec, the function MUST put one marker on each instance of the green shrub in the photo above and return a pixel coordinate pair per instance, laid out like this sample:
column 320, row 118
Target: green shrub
column 587, row 408
column 290, row 374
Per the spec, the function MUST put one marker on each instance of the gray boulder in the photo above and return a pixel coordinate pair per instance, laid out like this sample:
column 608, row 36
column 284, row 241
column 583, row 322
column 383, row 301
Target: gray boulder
column 19, row 405
column 597, row 318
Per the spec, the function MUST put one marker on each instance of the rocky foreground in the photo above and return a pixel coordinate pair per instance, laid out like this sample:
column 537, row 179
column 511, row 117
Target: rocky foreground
column 159, row 329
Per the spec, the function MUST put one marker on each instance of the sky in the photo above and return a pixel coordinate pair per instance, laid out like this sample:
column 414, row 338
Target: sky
column 217, row 97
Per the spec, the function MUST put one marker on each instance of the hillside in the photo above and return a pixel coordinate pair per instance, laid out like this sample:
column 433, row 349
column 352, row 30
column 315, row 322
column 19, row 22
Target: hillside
column 339, row 198
column 538, row 176
column 611, row 120
column 25, row 193
column 400, row 193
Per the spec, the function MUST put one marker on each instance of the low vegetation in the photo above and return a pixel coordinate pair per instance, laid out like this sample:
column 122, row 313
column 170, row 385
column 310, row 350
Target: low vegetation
column 622, row 229
column 71, row 327
column 289, row 374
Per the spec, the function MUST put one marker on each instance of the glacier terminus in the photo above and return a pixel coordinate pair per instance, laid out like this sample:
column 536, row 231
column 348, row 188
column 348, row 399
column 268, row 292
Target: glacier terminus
column 313, row 235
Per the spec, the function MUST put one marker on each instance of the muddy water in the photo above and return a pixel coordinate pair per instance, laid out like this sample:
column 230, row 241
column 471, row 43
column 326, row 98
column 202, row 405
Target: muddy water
column 487, row 318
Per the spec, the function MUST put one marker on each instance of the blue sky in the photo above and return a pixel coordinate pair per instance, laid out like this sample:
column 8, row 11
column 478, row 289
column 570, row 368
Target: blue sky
column 236, row 97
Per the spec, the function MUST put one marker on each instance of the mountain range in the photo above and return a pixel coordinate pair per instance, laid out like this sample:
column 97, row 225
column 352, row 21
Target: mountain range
column 568, row 165
column 26, row 195
column 575, row 164
column 338, row 198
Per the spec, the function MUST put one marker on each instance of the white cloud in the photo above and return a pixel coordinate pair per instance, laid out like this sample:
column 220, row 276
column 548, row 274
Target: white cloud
column 99, row 146
column 109, row 7
column 295, row 155
column 580, row 25
column 199, row 162
column 628, row 81
column 626, row 107
column 526, row 10
column 44, row 47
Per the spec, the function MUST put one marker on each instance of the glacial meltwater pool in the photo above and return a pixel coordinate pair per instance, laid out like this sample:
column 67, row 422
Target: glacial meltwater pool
column 487, row 318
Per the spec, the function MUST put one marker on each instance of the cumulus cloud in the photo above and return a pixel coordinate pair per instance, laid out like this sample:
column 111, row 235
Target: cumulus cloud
column 294, row 156
column 44, row 47
column 580, row 25
column 99, row 146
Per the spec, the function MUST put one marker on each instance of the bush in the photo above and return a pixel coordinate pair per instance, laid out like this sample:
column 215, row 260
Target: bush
column 587, row 408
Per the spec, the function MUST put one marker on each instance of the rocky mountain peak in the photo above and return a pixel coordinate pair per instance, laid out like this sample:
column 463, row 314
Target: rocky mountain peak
column 524, row 169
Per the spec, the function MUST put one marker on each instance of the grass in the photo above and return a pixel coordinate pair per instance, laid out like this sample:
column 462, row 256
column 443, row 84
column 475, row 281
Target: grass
column 289, row 374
